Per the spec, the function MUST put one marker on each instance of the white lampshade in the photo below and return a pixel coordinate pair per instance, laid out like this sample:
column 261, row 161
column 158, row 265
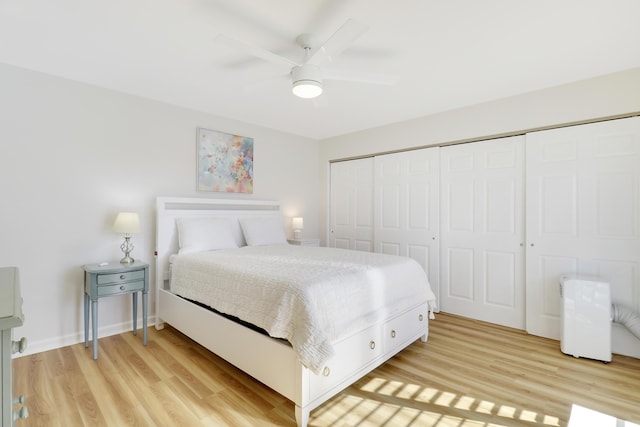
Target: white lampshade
column 127, row 223
column 297, row 223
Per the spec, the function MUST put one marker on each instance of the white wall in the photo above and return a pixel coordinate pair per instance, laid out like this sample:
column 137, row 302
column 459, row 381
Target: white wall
column 73, row 155
column 604, row 96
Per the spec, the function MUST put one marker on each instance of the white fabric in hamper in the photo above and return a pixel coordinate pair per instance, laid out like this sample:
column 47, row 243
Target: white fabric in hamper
column 307, row 295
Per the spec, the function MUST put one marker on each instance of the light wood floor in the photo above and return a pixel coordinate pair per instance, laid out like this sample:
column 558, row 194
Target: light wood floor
column 469, row 373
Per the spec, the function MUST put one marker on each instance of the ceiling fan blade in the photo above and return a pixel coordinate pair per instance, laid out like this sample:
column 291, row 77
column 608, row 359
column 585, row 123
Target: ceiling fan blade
column 360, row 77
column 256, row 51
column 261, row 86
column 338, row 42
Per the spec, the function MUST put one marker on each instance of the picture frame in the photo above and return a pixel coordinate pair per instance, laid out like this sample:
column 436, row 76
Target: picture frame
column 225, row 162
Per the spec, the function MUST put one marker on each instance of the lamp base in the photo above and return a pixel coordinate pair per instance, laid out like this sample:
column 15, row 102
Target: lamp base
column 127, row 247
column 127, row 260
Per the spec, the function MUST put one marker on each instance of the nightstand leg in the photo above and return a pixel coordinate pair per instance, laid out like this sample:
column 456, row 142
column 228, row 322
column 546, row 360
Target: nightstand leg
column 145, row 306
column 94, row 327
column 135, row 313
column 86, row 320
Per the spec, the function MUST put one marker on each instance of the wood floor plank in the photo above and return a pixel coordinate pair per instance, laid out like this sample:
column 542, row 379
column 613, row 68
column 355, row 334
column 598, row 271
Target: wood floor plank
column 469, row 374
column 112, row 388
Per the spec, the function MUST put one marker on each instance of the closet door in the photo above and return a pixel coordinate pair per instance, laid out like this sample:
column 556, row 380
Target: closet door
column 583, row 201
column 406, row 207
column 482, row 223
column 351, row 205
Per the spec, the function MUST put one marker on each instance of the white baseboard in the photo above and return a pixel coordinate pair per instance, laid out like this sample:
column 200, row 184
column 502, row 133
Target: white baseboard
column 40, row 346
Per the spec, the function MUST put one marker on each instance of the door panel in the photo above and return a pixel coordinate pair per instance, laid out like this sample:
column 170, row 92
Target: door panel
column 351, row 205
column 482, row 231
column 583, row 196
column 406, row 212
column 500, row 273
column 460, row 274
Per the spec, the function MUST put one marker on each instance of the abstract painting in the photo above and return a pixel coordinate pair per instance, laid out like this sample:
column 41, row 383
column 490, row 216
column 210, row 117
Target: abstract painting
column 225, row 162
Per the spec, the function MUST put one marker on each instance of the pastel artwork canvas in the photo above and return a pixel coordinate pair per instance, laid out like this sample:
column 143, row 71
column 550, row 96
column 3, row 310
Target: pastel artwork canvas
column 225, row 162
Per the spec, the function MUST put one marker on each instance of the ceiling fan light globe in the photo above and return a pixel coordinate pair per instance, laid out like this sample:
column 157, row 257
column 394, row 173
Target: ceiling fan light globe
column 307, row 88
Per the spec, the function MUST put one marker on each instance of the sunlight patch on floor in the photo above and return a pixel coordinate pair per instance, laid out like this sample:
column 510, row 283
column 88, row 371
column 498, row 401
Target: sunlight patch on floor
column 528, row 416
column 465, row 403
column 485, row 407
column 506, row 411
column 385, row 402
column 584, row 417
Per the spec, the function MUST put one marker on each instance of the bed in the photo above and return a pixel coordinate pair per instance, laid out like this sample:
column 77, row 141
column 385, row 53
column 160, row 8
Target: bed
column 270, row 353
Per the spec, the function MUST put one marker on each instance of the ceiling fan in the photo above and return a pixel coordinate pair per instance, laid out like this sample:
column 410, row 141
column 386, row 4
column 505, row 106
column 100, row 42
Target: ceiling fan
column 307, row 76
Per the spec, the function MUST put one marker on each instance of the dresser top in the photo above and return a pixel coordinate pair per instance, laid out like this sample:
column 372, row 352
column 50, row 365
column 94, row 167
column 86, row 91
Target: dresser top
column 10, row 298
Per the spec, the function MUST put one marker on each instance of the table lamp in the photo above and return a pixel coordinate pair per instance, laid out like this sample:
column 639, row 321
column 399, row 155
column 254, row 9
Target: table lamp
column 298, row 224
column 127, row 223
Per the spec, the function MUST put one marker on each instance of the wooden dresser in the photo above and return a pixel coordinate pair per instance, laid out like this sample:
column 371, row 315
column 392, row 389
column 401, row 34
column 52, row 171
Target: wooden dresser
column 10, row 317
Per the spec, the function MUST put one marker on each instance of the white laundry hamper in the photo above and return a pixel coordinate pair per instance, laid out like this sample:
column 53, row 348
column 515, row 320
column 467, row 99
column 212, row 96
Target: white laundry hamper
column 585, row 317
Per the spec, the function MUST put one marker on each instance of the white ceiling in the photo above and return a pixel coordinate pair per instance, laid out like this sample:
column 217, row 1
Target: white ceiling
column 447, row 53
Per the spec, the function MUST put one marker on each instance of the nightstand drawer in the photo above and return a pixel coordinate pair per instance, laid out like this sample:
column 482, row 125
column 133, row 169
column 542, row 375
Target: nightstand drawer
column 120, row 288
column 107, row 279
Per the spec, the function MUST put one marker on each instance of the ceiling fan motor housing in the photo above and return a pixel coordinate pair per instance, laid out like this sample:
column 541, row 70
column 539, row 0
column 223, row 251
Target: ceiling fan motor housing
column 306, row 72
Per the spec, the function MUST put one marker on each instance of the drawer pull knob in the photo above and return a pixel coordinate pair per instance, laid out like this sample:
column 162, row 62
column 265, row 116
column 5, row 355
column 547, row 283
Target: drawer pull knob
column 372, row 345
column 421, row 317
column 122, row 276
column 18, row 400
column 22, row 414
column 393, row 333
column 19, row 346
column 326, row 371
column 122, row 288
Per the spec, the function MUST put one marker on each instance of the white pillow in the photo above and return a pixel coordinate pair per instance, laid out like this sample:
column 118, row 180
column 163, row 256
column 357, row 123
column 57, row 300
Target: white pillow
column 204, row 234
column 263, row 231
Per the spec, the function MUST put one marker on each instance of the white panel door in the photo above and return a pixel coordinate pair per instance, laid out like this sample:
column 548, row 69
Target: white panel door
column 351, row 205
column 406, row 207
column 583, row 198
column 482, row 231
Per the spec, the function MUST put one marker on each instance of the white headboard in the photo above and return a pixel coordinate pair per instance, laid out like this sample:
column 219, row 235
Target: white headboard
column 168, row 209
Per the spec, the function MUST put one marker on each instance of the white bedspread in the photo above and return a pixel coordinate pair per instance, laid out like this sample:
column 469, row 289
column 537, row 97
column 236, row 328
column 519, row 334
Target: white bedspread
column 307, row 295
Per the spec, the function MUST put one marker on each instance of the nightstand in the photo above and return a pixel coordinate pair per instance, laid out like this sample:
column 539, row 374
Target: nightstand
column 114, row 278
column 304, row 242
